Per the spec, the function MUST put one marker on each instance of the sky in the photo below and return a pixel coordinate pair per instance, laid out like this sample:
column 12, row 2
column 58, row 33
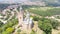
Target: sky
column 20, row 1
column 12, row 1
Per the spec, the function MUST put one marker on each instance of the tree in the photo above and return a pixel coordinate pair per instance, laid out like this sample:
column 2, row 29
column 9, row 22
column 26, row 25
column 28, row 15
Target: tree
column 0, row 30
column 8, row 31
column 54, row 24
column 1, row 24
column 46, row 27
column 35, row 18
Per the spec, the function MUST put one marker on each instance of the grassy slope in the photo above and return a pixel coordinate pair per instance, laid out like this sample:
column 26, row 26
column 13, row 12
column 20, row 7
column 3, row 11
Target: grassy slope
column 45, row 11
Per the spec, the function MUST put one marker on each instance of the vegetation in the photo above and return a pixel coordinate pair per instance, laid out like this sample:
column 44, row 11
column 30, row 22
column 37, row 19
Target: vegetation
column 8, row 27
column 46, row 24
column 18, row 31
column 45, row 11
column 8, row 31
column 1, row 24
column 58, row 17
column 33, row 32
column 43, row 23
column 54, row 24
column 36, row 18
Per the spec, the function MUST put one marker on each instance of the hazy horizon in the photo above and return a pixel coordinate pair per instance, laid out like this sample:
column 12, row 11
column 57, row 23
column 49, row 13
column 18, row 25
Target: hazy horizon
column 12, row 1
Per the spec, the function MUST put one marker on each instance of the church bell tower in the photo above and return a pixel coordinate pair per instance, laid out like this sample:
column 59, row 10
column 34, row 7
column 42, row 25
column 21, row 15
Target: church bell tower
column 21, row 13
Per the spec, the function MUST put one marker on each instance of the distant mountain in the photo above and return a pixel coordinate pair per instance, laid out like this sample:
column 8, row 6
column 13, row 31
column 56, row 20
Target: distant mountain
column 31, row 2
column 49, row 2
column 3, row 6
column 12, row 1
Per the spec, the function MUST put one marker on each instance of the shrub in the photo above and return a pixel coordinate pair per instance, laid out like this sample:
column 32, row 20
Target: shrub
column 8, row 31
column 54, row 24
column 33, row 32
column 35, row 18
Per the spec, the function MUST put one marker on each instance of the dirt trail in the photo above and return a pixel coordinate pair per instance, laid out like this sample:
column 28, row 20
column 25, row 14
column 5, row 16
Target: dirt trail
column 55, row 31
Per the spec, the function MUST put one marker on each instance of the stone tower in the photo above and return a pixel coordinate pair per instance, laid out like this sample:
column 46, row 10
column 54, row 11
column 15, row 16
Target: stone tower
column 20, row 15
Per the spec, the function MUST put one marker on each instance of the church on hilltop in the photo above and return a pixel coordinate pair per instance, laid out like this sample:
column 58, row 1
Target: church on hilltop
column 25, row 21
